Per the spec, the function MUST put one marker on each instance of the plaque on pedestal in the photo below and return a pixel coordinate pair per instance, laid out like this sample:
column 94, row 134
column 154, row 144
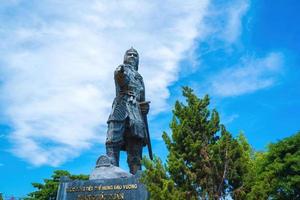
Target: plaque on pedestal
column 106, row 182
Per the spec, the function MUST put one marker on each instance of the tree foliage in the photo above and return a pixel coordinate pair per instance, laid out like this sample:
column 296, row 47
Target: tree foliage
column 48, row 189
column 277, row 173
column 204, row 160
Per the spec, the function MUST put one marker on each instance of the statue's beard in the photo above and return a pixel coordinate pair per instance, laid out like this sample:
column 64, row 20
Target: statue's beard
column 132, row 62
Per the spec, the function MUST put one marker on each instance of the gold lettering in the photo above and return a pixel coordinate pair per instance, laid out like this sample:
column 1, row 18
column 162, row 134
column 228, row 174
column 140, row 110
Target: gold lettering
column 72, row 189
column 120, row 196
column 130, row 186
column 89, row 188
column 102, row 196
column 97, row 187
column 107, row 187
column 117, row 187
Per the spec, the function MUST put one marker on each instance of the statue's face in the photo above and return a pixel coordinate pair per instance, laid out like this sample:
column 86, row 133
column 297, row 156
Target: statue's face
column 132, row 58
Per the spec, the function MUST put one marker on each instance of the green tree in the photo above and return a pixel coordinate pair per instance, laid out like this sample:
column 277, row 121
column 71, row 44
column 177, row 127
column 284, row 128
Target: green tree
column 1, row 197
column 48, row 189
column 204, row 160
column 278, row 171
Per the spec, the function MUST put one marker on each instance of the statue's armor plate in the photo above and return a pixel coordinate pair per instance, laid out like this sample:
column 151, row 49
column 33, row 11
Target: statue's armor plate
column 126, row 118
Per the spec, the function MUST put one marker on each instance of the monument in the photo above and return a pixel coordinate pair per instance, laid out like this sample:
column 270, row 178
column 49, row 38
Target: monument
column 127, row 123
column 127, row 131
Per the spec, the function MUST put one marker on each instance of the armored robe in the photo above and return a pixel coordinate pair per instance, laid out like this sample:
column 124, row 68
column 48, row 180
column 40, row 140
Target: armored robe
column 126, row 128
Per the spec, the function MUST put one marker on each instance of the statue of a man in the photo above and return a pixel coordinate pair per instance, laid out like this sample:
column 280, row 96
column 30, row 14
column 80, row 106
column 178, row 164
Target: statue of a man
column 127, row 123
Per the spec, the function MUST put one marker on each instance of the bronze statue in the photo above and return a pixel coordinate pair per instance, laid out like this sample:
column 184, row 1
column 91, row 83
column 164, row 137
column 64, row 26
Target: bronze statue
column 127, row 123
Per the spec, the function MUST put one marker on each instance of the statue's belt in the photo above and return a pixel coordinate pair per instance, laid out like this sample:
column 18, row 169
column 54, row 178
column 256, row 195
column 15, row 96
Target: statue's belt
column 128, row 92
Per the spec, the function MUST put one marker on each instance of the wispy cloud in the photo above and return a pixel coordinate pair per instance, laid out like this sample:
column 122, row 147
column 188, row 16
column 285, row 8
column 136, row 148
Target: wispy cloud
column 235, row 14
column 227, row 119
column 223, row 24
column 225, row 27
column 250, row 75
column 57, row 61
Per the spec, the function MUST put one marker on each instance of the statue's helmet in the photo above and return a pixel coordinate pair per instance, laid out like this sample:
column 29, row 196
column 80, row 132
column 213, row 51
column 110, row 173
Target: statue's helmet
column 131, row 57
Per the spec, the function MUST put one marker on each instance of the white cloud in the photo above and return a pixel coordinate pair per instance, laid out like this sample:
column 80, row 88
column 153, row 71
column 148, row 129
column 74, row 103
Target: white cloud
column 235, row 15
column 224, row 25
column 224, row 21
column 58, row 57
column 248, row 76
column 227, row 119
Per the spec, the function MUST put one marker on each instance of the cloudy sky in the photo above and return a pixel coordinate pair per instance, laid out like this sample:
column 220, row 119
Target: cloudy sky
column 57, row 60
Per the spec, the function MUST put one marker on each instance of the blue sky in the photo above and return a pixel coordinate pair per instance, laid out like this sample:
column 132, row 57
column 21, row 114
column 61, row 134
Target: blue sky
column 57, row 61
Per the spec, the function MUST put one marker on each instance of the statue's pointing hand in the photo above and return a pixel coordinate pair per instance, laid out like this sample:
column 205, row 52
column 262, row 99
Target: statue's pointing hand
column 120, row 69
column 120, row 75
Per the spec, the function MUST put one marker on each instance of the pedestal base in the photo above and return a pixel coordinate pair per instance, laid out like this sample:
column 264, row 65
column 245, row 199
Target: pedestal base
column 106, row 182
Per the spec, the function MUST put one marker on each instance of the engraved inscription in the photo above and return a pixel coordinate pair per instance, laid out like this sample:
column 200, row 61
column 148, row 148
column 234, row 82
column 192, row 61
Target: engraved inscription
column 102, row 188
column 102, row 196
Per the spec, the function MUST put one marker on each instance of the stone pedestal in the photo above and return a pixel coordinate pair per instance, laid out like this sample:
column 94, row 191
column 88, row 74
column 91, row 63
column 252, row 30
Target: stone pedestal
column 106, row 182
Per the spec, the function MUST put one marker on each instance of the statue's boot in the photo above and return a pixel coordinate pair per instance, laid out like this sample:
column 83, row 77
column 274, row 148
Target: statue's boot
column 134, row 149
column 113, row 152
column 134, row 163
column 134, row 168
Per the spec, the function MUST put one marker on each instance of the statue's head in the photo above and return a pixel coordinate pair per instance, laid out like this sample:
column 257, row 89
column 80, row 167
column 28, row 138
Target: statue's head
column 131, row 57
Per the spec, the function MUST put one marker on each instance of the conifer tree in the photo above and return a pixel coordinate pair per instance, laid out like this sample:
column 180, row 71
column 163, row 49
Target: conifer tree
column 277, row 171
column 204, row 160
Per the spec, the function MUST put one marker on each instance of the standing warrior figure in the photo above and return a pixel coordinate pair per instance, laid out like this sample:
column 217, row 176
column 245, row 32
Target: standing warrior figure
column 127, row 123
